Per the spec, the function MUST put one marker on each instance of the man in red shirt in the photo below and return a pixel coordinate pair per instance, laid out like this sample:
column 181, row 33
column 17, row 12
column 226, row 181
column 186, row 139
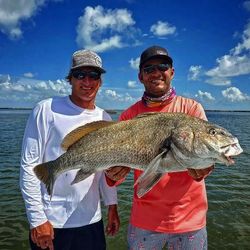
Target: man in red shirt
column 173, row 213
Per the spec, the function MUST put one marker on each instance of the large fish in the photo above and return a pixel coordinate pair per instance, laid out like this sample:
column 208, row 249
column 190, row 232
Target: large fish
column 157, row 143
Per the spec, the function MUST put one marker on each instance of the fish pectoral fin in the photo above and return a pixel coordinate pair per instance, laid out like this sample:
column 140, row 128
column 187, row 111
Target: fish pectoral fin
column 153, row 166
column 80, row 132
column 80, row 176
column 147, row 183
column 150, row 176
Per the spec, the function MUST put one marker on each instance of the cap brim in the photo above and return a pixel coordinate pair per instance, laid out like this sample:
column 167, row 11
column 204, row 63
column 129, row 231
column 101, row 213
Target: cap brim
column 84, row 65
column 165, row 57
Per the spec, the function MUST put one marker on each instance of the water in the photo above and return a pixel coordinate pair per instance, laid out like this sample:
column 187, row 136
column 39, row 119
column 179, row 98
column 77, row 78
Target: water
column 228, row 189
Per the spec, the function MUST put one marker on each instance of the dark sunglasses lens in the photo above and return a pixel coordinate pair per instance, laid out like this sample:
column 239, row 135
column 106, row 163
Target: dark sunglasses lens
column 81, row 75
column 94, row 75
column 149, row 69
column 163, row 67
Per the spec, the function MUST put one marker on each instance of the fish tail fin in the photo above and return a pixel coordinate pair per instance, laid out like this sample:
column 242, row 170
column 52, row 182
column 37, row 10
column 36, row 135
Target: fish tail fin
column 45, row 173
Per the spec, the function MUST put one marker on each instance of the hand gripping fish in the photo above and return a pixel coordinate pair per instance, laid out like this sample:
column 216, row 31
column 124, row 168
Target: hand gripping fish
column 156, row 143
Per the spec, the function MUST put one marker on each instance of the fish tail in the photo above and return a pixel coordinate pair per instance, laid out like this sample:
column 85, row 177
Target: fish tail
column 45, row 173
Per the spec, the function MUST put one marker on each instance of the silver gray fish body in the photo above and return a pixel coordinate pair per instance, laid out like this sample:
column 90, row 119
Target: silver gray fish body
column 156, row 143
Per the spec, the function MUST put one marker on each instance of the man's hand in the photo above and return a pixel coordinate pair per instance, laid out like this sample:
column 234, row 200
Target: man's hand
column 113, row 220
column 43, row 235
column 200, row 174
column 117, row 173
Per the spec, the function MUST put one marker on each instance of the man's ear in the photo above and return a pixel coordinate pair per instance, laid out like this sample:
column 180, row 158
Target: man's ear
column 172, row 73
column 140, row 77
column 70, row 81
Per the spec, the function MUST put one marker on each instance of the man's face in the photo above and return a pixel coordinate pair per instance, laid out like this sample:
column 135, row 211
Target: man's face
column 85, row 82
column 156, row 80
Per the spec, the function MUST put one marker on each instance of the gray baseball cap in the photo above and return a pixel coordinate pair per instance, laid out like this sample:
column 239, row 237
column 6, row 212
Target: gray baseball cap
column 86, row 58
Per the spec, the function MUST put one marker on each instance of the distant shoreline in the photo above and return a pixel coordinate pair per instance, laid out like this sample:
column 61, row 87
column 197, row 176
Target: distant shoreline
column 115, row 111
column 110, row 111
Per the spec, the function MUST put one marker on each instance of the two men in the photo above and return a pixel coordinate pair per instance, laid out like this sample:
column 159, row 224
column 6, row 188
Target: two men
column 172, row 214
column 72, row 218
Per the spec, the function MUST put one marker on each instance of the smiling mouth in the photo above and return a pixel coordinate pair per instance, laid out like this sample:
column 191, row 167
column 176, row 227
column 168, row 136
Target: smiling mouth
column 156, row 81
column 85, row 88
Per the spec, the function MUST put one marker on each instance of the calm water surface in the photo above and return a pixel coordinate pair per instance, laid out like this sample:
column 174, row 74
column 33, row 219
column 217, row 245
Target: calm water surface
column 228, row 189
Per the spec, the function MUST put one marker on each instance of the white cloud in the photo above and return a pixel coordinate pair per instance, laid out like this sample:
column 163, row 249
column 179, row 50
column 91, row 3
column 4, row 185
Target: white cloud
column 162, row 29
column 194, row 72
column 246, row 5
column 205, row 96
column 13, row 12
column 231, row 65
column 233, row 94
column 236, row 63
column 218, row 81
column 111, row 93
column 132, row 84
column 106, row 44
column 134, row 63
column 119, row 97
column 245, row 44
column 25, row 92
column 114, row 96
column 28, row 75
column 102, row 29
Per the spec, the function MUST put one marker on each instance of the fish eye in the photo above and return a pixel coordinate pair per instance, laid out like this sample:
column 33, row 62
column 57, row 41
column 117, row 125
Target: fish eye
column 212, row 131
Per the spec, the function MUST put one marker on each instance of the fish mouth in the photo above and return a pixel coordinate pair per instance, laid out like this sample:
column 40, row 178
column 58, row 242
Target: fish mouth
column 229, row 151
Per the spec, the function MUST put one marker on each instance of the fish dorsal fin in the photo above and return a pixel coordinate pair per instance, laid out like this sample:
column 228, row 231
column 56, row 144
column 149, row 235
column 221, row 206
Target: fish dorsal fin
column 142, row 115
column 81, row 131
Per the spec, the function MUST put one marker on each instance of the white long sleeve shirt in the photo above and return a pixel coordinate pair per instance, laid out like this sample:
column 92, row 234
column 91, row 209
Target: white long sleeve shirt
column 71, row 205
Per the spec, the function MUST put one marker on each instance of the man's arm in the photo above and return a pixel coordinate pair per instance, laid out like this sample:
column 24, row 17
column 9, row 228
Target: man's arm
column 113, row 224
column 116, row 175
column 199, row 174
column 109, row 195
column 43, row 235
column 32, row 152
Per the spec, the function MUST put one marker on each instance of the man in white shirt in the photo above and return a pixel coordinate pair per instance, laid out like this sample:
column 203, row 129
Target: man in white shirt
column 72, row 219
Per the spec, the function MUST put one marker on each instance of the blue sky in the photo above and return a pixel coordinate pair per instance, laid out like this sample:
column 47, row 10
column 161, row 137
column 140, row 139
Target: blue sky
column 208, row 40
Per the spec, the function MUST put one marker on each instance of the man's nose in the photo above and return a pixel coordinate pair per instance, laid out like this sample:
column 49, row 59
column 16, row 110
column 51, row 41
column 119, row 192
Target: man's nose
column 86, row 80
column 156, row 71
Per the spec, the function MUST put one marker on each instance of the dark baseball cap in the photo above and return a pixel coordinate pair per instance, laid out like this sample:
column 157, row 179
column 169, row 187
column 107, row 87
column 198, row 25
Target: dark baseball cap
column 155, row 52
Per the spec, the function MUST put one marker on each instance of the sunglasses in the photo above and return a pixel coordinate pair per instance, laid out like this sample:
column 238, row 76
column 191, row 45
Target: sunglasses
column 79, row 75
column 152, row 68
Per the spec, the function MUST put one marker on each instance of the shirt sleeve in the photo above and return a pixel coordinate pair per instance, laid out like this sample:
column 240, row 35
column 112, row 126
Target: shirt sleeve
column 198, row 111
column 109, row 194
column 31, row 155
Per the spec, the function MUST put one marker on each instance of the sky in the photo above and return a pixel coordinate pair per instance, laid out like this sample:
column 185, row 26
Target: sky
column 208, row 40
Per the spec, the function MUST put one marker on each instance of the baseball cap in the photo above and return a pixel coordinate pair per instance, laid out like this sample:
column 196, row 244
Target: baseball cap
column 88, row 58
column 155, row 52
